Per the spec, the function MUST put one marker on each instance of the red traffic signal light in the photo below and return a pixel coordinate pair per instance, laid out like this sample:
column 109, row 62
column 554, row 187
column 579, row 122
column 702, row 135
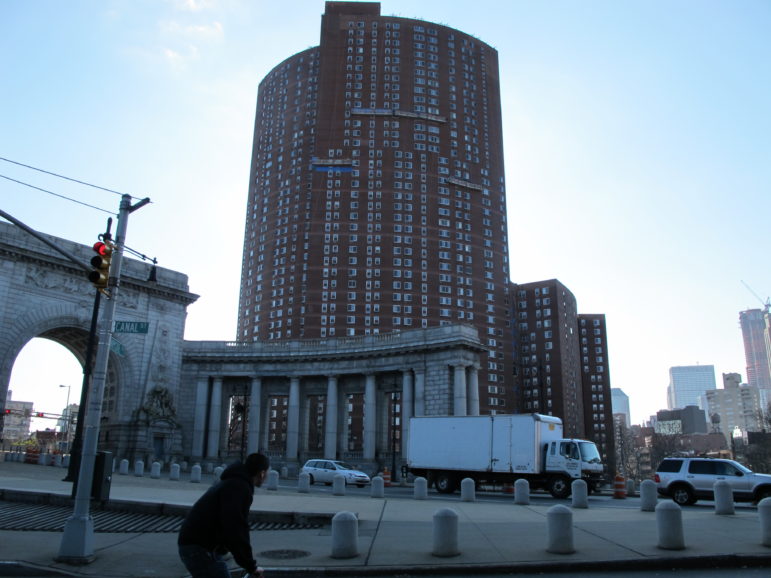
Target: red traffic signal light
column 40, row 414
column 100, row 276
column 7, row 411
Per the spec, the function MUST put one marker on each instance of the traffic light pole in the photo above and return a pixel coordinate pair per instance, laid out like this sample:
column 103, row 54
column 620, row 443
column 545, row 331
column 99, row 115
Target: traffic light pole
column 77, row 545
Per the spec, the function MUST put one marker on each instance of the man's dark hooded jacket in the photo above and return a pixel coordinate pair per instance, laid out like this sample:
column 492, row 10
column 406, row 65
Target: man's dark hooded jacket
column 219, row 520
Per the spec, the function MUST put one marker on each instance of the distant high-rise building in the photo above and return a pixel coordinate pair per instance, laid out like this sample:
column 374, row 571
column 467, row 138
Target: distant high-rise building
column 688, row 383
column 620, row 402
column 755, row 333
column 735, row 405
column 376, row 193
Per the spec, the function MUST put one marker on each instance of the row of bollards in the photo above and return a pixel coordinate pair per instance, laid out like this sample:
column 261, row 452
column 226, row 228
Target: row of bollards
column 559, row 521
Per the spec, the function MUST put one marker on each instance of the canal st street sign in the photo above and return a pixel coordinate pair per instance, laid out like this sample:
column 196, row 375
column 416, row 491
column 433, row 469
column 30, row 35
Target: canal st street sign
column 131, row 327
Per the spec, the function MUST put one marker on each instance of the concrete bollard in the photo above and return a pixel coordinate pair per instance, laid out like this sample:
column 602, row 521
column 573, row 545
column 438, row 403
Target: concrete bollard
column 420, row 490
column 123, row 468
column 183, row 466
column 209, row 468
column 217, row 473
column 580, row 494
column 522, row 492
column 630, row 488
column 174, row 473
column 195, row 474
column 468, row 490
column 338, row 485
column 58, row 460
column 66, row 461
column 42, row 459
column 724, row 498
column 284, row 472
column 669, row 522
column 764, row 513
column 446, row 533
column 155, row 471
column 378, row 487
column 304, row 483
column 139, row 468
column 559, row 520
column 272, row 480
column 648, row 496
column 345, row 535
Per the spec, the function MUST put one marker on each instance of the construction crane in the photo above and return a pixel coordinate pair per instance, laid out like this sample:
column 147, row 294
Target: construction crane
column 766, row 303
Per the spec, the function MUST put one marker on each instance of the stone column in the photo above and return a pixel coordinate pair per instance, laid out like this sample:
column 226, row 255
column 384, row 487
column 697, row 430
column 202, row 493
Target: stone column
column 473, row 389
column 266, row 423
column 370, row 417
column 406, row 410
column 420, row 393
column 293, row 420
column 255, row 414
column 459, row 390
column 330, row 420
column 199, row 423
column 215, row 419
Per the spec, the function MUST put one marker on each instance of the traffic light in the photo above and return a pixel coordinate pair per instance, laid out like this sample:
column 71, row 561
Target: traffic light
column 100, row 276
column 40, row 414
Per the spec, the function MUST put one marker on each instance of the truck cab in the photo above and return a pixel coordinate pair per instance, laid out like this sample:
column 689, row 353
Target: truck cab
column 577, row 458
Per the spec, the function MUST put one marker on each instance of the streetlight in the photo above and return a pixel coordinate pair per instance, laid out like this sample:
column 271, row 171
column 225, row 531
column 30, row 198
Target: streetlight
column 67, row 418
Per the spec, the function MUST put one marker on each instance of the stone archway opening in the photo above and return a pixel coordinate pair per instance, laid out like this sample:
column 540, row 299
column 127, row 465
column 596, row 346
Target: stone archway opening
column 48, row 374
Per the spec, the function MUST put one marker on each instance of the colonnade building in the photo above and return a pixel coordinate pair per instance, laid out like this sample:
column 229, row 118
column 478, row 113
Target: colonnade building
column 335, row 398
column 376, row 196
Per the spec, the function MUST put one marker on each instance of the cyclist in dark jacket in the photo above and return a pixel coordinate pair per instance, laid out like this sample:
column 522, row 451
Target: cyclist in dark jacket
column 219, row 522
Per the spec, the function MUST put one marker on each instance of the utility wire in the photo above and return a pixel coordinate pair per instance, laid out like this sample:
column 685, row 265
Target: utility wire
column 61, row 176
column 58, row 195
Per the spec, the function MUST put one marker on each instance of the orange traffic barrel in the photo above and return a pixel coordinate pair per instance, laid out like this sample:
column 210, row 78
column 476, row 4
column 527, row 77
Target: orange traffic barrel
column 386, row 477
column 619, row 487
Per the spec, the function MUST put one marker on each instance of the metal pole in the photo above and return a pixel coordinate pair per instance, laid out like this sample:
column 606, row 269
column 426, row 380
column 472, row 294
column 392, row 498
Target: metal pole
column 67, row 419
column 77, row 545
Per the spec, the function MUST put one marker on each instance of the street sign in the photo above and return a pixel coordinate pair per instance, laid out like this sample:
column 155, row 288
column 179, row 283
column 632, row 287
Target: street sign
column 131, row 327
column 117, row 347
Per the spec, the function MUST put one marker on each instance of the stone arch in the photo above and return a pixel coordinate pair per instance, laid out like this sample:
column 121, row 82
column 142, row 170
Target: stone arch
column 44, row 294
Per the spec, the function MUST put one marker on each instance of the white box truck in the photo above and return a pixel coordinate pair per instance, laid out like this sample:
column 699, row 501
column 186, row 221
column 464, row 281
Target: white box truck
column 501, row 449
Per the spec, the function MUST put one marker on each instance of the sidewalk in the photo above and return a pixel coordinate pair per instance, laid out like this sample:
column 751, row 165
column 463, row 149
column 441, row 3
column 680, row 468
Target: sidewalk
column 395, row 534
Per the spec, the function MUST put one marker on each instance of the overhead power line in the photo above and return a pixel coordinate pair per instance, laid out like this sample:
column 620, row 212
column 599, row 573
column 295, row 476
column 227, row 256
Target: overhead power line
column 58, row 195
column 62, row 176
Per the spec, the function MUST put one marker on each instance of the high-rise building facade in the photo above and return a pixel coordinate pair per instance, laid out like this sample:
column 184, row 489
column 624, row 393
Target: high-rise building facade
column 620, row 402
column 548, row 376
column 688, row 384
column 736, row 405
column 755, row 333
column 376, row 194
column 595, row 382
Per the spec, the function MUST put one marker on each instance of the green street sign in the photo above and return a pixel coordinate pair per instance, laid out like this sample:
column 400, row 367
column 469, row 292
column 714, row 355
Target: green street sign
column 117, row 347
column 131, row 327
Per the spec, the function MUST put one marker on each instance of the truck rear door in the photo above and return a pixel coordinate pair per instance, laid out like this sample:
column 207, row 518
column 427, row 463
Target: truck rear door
column 500, row 451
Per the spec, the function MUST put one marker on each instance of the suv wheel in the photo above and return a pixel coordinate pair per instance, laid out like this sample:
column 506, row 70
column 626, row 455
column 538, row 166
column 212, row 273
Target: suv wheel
column 683, row 495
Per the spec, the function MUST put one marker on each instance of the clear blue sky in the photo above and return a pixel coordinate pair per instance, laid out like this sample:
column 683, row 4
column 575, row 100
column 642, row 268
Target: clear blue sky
column 638, row 157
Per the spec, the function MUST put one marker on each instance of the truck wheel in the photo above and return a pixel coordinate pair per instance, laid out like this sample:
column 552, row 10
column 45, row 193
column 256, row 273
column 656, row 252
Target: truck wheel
column 559, row 487
column 445, row 483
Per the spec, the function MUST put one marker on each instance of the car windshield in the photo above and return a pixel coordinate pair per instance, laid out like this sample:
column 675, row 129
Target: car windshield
column 343, row 466
column 589, row 453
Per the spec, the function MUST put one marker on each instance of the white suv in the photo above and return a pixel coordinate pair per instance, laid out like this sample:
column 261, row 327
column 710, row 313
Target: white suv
column 686, row 480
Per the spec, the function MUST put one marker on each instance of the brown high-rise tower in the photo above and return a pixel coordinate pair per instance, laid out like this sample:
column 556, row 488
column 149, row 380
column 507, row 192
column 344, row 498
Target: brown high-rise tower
column 376, row 192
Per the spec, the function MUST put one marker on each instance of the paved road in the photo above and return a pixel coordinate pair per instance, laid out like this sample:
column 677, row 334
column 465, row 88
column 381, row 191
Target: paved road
column 496, row 537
